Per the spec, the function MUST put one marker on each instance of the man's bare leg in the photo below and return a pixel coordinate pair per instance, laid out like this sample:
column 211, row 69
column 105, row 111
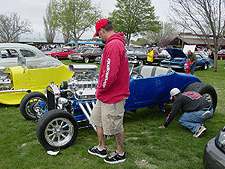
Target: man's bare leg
column 101, row 138
column 119, row 142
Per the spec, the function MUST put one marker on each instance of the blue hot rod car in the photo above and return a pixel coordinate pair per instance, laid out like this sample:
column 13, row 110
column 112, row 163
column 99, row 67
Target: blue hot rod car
column 178, row 58
column 58, row 114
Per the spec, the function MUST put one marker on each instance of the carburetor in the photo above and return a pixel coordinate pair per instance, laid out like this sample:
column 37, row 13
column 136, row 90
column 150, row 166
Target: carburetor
column 84, row 82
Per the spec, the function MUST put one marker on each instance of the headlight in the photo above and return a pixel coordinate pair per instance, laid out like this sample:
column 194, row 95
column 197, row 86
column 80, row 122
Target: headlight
column 62, row 101
column 135, row 57
column 220, row 139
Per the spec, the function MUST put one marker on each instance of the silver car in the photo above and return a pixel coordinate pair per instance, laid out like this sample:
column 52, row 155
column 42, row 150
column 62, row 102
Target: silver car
column 32, row 57
column 214, row 154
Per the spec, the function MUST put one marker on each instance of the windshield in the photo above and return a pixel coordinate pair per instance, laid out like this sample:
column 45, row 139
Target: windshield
column 139, row 51
column 56, row 50
column 87, row 51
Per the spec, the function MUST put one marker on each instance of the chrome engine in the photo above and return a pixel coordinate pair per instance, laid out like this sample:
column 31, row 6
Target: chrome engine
column 5, row 81
column 84, row 82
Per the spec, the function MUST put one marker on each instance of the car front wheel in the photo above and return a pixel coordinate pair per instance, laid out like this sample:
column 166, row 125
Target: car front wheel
column 57, row 129
column 205, row 66
column 86, row 60
column 140, row 63
column 33, row 105
column 206, row 90
column 56, row 57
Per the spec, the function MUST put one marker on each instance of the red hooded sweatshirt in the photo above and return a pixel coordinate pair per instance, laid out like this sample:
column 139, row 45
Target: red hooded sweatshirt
column 113, row 80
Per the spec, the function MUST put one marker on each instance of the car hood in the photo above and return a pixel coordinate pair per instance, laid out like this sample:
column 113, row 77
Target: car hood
column 176, row 53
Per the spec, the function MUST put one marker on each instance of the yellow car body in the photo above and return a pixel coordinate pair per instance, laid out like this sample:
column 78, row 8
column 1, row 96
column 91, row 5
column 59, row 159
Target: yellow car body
column 24, row 80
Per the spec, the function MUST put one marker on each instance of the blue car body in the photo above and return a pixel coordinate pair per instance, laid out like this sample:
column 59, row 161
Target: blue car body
column 178, row 58
column 155, row 90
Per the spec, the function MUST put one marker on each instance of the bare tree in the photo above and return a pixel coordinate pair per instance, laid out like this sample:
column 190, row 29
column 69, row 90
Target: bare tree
column 201, row 17
column 50, row 30
column 11, row 26
column 164, row 36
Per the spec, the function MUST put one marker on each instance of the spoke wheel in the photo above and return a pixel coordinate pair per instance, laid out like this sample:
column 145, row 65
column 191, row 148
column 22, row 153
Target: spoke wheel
column 57, row 129
column 33, row 105
column 86, row 60
column 57, row 57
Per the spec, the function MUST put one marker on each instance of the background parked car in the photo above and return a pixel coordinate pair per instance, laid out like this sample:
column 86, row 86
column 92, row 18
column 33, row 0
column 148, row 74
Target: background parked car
column 24, row 68
column 221, row 54
column 86, row 55
column 10, row 52
column 136, row 56
column 98, row 59
column 214, row 153
column 60, row 53
column 178, row 58
column 158, row 57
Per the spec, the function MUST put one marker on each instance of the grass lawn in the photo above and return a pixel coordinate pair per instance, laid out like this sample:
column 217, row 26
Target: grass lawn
column 146, row 145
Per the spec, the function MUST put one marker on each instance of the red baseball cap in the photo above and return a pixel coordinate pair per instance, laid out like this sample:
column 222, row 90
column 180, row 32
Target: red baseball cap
column 99, row 24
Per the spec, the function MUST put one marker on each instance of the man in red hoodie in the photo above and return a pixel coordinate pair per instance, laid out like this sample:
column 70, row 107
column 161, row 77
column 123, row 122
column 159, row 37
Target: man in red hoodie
column 112, row 92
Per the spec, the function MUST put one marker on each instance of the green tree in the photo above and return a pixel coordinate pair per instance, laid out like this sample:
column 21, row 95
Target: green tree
column 74, row 17
column 133, row 17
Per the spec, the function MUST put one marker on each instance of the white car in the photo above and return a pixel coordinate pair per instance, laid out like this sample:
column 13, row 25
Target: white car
column 11, row 52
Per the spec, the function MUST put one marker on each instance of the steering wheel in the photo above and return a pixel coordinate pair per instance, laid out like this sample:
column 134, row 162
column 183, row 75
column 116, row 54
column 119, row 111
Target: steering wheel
column 136, row 74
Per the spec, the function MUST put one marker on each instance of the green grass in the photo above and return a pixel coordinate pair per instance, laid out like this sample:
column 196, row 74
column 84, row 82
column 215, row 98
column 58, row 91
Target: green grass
column 146, row 145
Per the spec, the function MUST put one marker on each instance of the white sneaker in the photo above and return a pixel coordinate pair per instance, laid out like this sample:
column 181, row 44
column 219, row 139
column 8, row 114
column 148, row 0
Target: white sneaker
column 200, row 131
column 204, row 115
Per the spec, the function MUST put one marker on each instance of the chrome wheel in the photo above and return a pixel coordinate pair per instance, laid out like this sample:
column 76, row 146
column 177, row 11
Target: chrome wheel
column 141, row 63
column 59, row 132
column 208, row 97
column 86, row 60
column 33, row 105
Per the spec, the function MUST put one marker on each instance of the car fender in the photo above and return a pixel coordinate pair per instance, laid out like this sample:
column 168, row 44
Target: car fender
column 32, row 80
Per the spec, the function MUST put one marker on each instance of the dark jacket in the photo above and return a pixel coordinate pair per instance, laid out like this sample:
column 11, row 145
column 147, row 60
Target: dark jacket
column 193, row 57
column 188, row 102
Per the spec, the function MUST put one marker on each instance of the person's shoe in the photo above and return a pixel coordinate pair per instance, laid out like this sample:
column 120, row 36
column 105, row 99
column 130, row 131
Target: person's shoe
column 204, row 115
column 97, row 152
column 115, row 158
column 200, row 131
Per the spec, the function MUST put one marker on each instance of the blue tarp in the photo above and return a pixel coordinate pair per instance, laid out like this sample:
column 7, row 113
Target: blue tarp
column 98, row 43
column 87, row 42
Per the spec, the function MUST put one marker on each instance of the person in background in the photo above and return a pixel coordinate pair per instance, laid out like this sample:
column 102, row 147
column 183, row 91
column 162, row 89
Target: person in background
column 195, row 107
column 150, row 56
column 112, row 92
column 211, row 57
column 187, row 66
column 164, row 52
column 193, row 59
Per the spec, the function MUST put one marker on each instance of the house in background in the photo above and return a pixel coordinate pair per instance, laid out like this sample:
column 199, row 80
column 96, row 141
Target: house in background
column 192, row 39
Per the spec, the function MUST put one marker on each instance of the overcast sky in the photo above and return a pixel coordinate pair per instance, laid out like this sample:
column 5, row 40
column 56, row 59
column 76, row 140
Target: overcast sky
column 34, row 10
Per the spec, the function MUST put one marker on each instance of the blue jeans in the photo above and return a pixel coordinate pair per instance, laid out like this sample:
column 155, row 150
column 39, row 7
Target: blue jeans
column 149, row 63
column 193, row 120
column 193, row 68
column 211, row 62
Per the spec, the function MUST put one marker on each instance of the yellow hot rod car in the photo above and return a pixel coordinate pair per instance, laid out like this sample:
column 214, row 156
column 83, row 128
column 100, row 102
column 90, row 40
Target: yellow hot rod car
column 24, row 68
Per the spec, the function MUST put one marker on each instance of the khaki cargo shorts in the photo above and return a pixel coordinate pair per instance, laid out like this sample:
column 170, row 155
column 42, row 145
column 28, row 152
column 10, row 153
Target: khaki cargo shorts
column 108, row 116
